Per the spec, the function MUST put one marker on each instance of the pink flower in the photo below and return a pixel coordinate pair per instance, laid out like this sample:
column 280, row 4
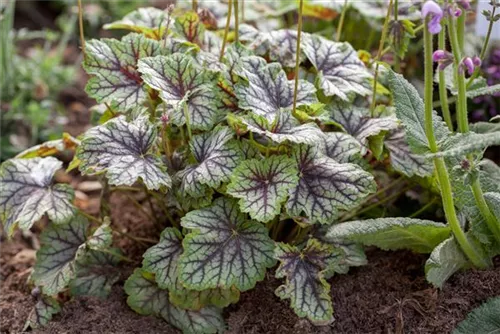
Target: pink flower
column 432, row 9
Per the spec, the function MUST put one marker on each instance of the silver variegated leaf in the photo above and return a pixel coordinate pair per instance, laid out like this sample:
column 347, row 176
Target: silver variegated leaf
column 184, row 87
column 224, row 248
column 102, row 237
column 55, row 260
column 340, row 71
column 149, row 21
column 357, row 122
column 123, row 151
column 215, row 157
column 402, row 158
column 28, row 193
column 113, row 66
column 268, row 89
column 341, row 147
column 145, row 297
column 326, row 186
column 284, row 127
column 263, row 185
column 306, row 286
column 96, row 272
column 42, row 312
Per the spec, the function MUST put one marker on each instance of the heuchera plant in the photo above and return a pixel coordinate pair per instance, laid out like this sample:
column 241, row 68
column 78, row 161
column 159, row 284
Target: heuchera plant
column 251, row 168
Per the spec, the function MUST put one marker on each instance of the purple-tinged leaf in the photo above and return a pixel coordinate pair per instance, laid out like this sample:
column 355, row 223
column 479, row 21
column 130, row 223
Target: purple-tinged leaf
column 341, row 147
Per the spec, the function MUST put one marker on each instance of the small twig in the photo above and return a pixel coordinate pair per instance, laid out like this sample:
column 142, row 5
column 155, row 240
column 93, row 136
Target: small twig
column 80, row 23
column 236, row 21
column 226, row 29
column 297, row 55
column 341, row 22
column 89, row 217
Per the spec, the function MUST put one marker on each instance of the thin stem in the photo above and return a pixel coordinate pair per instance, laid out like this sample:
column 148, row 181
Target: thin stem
column 80, row 24
column 443, row 92
column 121, row 257
column 188, row 125
column 226, row 29
column 490, row 219
column 424, row 208
column 236, row 21
column 242, row 10
column 341, row 22
column 140, row 240
column 140, row 207
column 439, row 164
column 297, row 56
column 396, row 9
column 461, row 31
column 89, row 217
column 166, row 142
column 379, row 55
column 195, row 5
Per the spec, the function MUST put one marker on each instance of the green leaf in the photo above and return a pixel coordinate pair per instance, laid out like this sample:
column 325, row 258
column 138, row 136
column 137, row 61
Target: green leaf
column 182, row 84
column 306, row 286
column 446, row 259
column 487, row 90
column 146, row 298
column 149, row 21
column 196, row 300
column 96, row 273
column 55, row 260
column 127, row 156
column 462, row 144
column 326, row 186
column 284, row 127
column 51, row 147
column 102, row 237
column 113, row 66
column 357, row 122
column 421, row 236
column 262, row 185
column 224, row 248
column 485, row 127
column 484, row 319
column 189, row 27
column 42, row 313
column 215, row 157
column 341, row 147
column 402, row 158
column 28, row 193
column 268, row 89
column 340, row 71
column 410, row 111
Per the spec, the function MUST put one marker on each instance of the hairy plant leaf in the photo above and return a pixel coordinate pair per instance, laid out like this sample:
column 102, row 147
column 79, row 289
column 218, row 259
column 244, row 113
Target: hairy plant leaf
column 463, row 144
column 410, row 111
column 446, row 259
column 306, row 286
column 182, row 84
column 55, row 265
column 28, row 193
column 358, row 123
column 402, row 158
column 224, row 248
column 123, row 151
column 263, row 185
column 96, row 273
column 145, row 297
column 341, row 147
column 284, row 128
column 421, row 236
column 113, row 66
column 268, row 89
column 149, row 21
column 215, row 156
column 50, row 147
column 340, row 72
column 326, row 186
column 42, row 313
column 487, row 90
column 482, row 319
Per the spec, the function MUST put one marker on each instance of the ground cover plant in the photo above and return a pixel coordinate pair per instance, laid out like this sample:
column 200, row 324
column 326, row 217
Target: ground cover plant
column 259, row 149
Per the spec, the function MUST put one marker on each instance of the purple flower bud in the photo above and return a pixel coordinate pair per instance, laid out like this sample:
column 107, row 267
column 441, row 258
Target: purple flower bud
column 468, row 64
column 457, row 12
column 439, row 55
column 477, row 61
column 164, row 118
column 436, row 13
column 465, row 4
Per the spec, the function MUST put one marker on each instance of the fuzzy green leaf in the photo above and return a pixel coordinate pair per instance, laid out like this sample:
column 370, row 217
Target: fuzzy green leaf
column 146, row 298
column 113, row 65
column 42, row 313
column 224, row 248
column 182, row 84
column 306, row 286
column 215, row 157
column 487, row 90
column 341, row 147
column 446, row 259
column 28, row 193
column 484, row 319
column 410, row 111
column 149, row 21
column 268, row 89
column 55, row 265
column 340, row 71
column 123, row 151
column 263, row 185
column 463, row 144
column 421, row 236
column 284, row 127
column 326, row 186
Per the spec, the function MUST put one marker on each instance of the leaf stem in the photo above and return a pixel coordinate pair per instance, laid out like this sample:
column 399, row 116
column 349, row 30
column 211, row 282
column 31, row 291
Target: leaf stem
column 439, row 164
column 140, row 240
column 424, row 208
column 378, row 56
column 80, row 24
column 443, row 92
column 186, row 116
column 490, row 219
column 236, row 21
column 89, row 216
column 140, row 207
column 341, row 22
column 121, row 257
column 195, row 5
column 297, row 56
column 226, row 29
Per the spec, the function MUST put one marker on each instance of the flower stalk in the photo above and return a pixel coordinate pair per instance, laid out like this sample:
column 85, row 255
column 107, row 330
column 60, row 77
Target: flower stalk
column 226, row 29
column 297, row 56
column 443, row 92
